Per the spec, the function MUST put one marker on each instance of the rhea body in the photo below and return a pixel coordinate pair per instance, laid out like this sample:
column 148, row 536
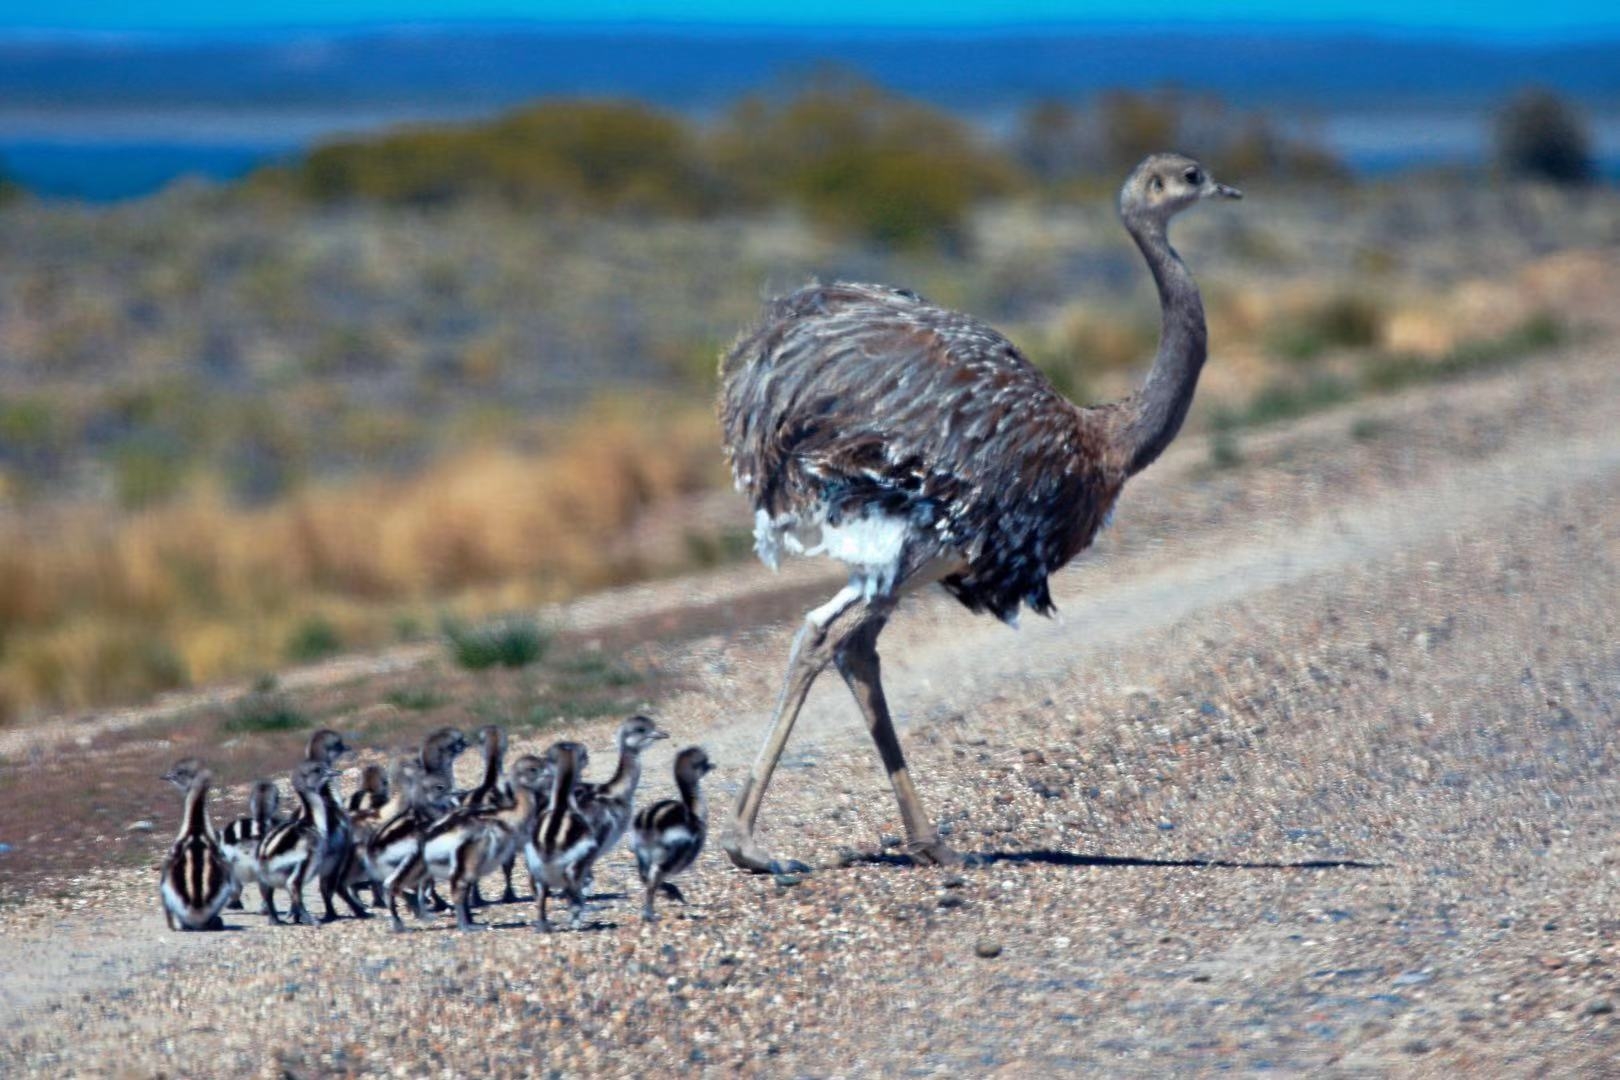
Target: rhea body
column 314, row 845
column 669, row 834
column 241, row 839
column 196, row 881
column 564, row 844
column 608, row 805
column 398, row 837
column 916, row 445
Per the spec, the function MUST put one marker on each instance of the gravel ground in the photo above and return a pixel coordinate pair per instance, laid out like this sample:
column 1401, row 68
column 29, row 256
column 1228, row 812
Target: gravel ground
column 1314, row 775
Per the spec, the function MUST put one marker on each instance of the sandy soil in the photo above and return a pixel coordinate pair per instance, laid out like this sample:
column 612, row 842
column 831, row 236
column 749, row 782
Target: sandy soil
column 1314, row 774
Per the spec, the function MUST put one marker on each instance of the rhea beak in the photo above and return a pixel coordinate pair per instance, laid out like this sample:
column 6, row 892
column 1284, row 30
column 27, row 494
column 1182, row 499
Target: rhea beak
column 657, row 733
column 1227, row 191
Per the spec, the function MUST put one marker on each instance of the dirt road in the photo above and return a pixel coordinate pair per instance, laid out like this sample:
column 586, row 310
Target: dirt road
column 1315, row 772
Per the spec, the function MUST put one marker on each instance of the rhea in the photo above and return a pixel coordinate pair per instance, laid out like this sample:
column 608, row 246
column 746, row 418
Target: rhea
column 917, row 444
column 196, row 881
column 608, row 806
column 241, row 838
column 669, row 834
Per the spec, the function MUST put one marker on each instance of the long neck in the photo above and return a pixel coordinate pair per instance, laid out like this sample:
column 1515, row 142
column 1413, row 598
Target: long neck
column 264, row 811
column 315, row 809
column 1154, row 414
column 195, row 817
column 692, row 796
column 562, row 787
column 627, row 775
column 493, row 756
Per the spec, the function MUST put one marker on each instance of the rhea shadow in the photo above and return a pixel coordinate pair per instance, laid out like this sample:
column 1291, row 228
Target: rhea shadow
column 1050, row 857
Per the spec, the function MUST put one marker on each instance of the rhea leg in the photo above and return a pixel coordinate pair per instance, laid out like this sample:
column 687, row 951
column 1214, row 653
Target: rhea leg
column 858, row 663
column 813, row 649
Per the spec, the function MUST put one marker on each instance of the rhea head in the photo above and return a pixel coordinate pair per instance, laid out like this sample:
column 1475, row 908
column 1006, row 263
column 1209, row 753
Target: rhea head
column 1164, row 185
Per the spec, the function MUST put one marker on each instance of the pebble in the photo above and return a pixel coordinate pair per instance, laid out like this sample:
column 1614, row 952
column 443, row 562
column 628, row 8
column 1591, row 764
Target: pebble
column 787, row 881
column 1601, row 1006
column 987, row 949
column 141, row 826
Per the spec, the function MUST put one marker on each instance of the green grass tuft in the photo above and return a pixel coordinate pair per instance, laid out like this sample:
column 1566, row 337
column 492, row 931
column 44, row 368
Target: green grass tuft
column 511, row 642
column 265, row 711
column 313, row 639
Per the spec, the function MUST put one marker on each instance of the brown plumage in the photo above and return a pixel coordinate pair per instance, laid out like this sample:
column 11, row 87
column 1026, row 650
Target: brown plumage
column 917, row 444
column 854, row 400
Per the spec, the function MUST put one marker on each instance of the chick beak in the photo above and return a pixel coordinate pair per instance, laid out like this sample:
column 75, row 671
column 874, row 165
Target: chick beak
column 1227, row 191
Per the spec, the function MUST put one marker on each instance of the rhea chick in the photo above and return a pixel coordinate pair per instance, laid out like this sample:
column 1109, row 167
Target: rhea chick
column 399, row 837
column 312, row 845
column 669, row 835
column 440, row 750
column 564, row 843
column 196, row 882
column 241, row 839
column 608, row 806
column 470, row 842
column 373, row 791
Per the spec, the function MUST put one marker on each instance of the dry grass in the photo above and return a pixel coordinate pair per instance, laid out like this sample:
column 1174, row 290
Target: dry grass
column 99, row 607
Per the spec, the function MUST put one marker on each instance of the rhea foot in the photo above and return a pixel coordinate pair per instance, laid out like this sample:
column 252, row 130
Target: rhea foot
column 747, row 855
column 932, row 852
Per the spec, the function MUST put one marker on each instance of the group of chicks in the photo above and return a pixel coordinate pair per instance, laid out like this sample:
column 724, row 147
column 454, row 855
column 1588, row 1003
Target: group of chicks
column 409, row 833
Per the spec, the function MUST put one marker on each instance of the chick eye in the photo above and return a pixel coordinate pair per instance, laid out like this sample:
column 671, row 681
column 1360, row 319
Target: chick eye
column 1157, row 183
column 1194, row 176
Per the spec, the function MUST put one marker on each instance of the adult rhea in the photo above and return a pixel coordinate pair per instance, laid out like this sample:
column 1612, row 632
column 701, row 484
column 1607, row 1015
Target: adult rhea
column 917, row 444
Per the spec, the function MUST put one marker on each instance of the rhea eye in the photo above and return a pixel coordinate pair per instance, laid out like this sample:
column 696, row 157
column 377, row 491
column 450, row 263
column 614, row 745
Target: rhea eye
column 1194, row 176
column 1157, row 183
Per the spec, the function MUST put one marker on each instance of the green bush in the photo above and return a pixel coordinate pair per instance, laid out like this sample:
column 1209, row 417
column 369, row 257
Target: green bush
column 855, row 157
column 512, row 642
column 313, row 639
column 601, row 155
column 1345, row 320
column 264, row 710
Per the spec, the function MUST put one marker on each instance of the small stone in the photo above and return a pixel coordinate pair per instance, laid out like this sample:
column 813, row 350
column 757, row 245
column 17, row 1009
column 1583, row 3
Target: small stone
column 787, row 881
column 987, row 949
column 1601, row 1006
column 890, row 840
column 955, row 881
column 141, row 826
column 949, row 901
column 1417, row 1046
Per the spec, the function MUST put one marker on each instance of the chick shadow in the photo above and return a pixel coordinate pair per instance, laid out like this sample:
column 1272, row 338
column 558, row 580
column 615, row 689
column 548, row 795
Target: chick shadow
column 981, row 860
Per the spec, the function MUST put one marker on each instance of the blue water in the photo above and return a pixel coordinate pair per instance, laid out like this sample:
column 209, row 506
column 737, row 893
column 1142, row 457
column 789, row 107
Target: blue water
column 103, row 172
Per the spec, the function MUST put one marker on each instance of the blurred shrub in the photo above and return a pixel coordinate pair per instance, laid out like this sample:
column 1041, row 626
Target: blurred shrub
column 264, row 709
column 1060, row 144
column 1537, row 333
column 601, row 155
column 1540, row 135
column 512, row 642
column 222, row 588
column 315, row 638
column 857, row 157
column 1342, row 320
column 849, row 154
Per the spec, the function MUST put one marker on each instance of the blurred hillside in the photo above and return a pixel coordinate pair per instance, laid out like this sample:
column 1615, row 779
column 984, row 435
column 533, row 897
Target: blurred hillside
column 465, row 369
column 110, row 115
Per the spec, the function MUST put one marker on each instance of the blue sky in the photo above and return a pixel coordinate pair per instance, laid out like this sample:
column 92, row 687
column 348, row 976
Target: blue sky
column 1558, row 18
